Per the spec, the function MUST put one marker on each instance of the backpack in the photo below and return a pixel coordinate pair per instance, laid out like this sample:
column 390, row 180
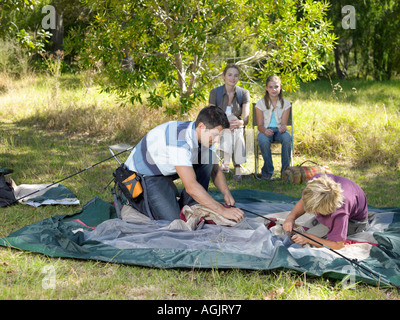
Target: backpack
column 130, row 188
column 7, row 196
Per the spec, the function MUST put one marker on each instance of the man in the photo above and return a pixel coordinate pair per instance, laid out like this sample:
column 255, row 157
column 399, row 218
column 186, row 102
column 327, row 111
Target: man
column 183, row 149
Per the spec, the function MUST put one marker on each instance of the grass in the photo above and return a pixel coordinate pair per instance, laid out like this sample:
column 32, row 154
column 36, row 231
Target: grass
column 46, row 135
column 354, row 121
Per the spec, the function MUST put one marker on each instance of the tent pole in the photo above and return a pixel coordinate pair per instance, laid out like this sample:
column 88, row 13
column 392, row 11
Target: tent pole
column 72, row 175
column 353, row 261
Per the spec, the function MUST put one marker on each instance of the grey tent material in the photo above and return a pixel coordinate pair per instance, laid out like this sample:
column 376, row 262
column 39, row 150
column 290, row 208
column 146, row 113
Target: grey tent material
column 43, row 194
column 95, row 233
column 33, row 194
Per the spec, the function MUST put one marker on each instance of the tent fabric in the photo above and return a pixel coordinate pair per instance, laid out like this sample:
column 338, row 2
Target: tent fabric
column 41, row 194
column 95, row 233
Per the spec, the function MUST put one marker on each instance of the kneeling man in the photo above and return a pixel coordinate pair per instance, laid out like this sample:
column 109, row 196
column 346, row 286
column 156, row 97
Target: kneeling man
column 183, row 149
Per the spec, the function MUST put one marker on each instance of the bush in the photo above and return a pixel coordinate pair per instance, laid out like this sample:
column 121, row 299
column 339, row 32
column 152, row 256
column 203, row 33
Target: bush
column 14, row 60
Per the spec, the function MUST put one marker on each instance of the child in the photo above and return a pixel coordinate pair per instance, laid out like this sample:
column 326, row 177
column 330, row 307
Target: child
column 340, row 208
column 272, row 114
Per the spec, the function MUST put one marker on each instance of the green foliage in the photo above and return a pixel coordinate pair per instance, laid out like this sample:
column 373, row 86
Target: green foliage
column 296, row 36
column 180, row 44
column 34, row 44
column 10, row 5
column 14, row 60
column 20, row 20
column 372, row 49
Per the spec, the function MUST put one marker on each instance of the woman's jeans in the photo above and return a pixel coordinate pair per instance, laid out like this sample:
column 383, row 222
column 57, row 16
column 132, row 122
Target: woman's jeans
column 265, row 146
column 163, row 195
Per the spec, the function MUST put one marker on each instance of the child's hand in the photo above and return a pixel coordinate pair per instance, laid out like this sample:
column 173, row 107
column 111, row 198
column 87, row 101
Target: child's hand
column 269, row 132
column 288, row 225
column 282, row 128
column 300, row 239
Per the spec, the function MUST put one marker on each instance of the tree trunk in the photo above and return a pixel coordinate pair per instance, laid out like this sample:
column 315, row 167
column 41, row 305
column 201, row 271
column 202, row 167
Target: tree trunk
column 339, row 71
column 58, row 32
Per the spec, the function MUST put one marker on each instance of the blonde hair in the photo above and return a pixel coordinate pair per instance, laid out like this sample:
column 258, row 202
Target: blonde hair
column 267, row 99
column 322, row 195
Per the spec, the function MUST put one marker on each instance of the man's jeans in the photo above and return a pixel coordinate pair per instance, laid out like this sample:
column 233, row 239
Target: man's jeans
column 265, row 146
column 162, row 192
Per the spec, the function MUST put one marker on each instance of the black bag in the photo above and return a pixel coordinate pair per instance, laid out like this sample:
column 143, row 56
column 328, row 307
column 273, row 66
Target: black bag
column 130, row 188
column 7, row 196
column 129, row 182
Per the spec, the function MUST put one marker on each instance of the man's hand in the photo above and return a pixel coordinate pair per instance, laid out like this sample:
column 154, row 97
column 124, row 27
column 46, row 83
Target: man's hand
column 234, row 214
column 199, row 194
column 229, row 201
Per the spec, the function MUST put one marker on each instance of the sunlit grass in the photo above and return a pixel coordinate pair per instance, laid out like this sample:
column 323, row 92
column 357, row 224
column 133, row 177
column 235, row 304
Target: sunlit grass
column 46, row 136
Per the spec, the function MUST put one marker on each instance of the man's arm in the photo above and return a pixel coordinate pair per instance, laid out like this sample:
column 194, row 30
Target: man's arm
column 219, row 180
column 199, row 194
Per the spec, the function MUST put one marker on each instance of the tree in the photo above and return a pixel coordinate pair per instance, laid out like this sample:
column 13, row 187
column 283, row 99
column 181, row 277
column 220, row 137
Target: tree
column 10, row 15
column 70, row 14
column 181, row 44
column 9, row 6
column 372, row 47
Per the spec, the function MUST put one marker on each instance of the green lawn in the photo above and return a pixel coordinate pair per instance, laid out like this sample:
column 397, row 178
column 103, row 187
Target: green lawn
column 47, row 135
